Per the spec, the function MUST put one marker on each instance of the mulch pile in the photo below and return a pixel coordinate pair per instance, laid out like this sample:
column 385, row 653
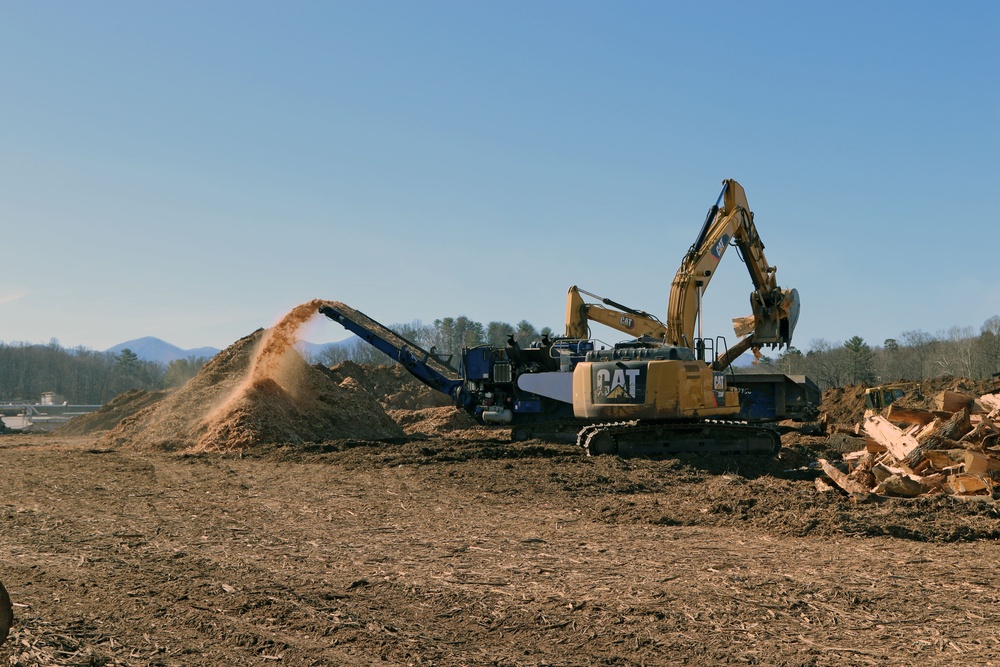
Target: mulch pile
column 392, row 386
column 442, row 421
column 113, row 412
column 312, row 404
column 258, row 391
column 846, row 405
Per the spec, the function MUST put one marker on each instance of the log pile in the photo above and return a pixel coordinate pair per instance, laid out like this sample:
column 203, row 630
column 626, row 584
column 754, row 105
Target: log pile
column 954, row 450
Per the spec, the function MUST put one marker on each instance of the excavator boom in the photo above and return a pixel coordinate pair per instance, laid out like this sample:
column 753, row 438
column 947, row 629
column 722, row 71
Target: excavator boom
column 630, row 321
column 775, row 311
column 730, row 221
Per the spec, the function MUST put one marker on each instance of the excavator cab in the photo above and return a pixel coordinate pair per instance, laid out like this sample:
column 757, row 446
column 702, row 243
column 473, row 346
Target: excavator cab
column 659, row 383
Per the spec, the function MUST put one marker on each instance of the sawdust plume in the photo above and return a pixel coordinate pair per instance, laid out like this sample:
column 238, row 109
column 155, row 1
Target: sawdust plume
column 275, row 360
column 279, row 342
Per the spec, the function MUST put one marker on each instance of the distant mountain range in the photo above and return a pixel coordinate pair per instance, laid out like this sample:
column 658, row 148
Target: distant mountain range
column 150, row 348
column 745, row 360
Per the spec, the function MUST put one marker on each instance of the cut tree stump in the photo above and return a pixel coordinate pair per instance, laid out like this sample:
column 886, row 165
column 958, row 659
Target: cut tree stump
column 979, row 433
column 928, row 429
column 901, row 486
column 846, row 429
column 873, row 447
column 991, row 401
column 942, row 459
column 953, row 401
column 977, row 464
column 952, row 429
column 913, row 415
column 883, row 471
column 969, row 485
column 898, row 443
column 841, row 479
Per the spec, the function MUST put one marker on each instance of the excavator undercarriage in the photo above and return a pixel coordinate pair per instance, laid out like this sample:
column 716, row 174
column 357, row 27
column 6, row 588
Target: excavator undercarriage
column 658, row 439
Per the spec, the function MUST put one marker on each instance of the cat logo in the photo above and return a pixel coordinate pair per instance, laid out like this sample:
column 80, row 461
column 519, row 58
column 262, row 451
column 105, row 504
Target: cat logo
column 720, row 247
column 619, row 383
column 627, row 322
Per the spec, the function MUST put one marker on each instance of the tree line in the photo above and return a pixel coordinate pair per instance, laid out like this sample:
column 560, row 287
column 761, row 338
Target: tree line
column 914, row 355
column 446, row 336
column 85, row 377
column 81, row 376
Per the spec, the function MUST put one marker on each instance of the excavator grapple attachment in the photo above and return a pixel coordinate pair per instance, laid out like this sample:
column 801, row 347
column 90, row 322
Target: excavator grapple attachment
column 775, row 315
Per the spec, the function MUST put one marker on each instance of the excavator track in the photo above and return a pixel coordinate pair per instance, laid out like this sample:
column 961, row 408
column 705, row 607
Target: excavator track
column 658, row 439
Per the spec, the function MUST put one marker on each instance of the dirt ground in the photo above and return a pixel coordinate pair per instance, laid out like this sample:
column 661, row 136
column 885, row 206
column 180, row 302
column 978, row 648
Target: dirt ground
column 439, row 551
column 275, row 513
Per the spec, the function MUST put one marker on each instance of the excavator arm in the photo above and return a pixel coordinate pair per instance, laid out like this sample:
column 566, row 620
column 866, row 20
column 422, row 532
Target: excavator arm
column 579, row 313
column 730, row 221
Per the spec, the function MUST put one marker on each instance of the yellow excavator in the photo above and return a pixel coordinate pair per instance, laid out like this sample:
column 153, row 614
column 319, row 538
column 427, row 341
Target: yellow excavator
column 656, row 395
column 660, row 394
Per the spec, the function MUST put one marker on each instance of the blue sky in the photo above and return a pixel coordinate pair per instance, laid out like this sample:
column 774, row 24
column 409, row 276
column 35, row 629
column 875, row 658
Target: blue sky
column 193, row 170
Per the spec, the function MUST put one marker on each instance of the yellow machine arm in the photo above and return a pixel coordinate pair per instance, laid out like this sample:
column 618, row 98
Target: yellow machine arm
column 775, row 311
column 579, row 312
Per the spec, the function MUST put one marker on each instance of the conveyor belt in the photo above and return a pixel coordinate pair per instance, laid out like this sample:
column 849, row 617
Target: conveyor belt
column 426, row 366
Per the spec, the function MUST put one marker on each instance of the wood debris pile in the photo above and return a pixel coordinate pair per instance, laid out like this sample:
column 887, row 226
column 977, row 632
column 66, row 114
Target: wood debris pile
column 954, row 450
column 449, row 421
column 392, row 386
column 234, row 405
